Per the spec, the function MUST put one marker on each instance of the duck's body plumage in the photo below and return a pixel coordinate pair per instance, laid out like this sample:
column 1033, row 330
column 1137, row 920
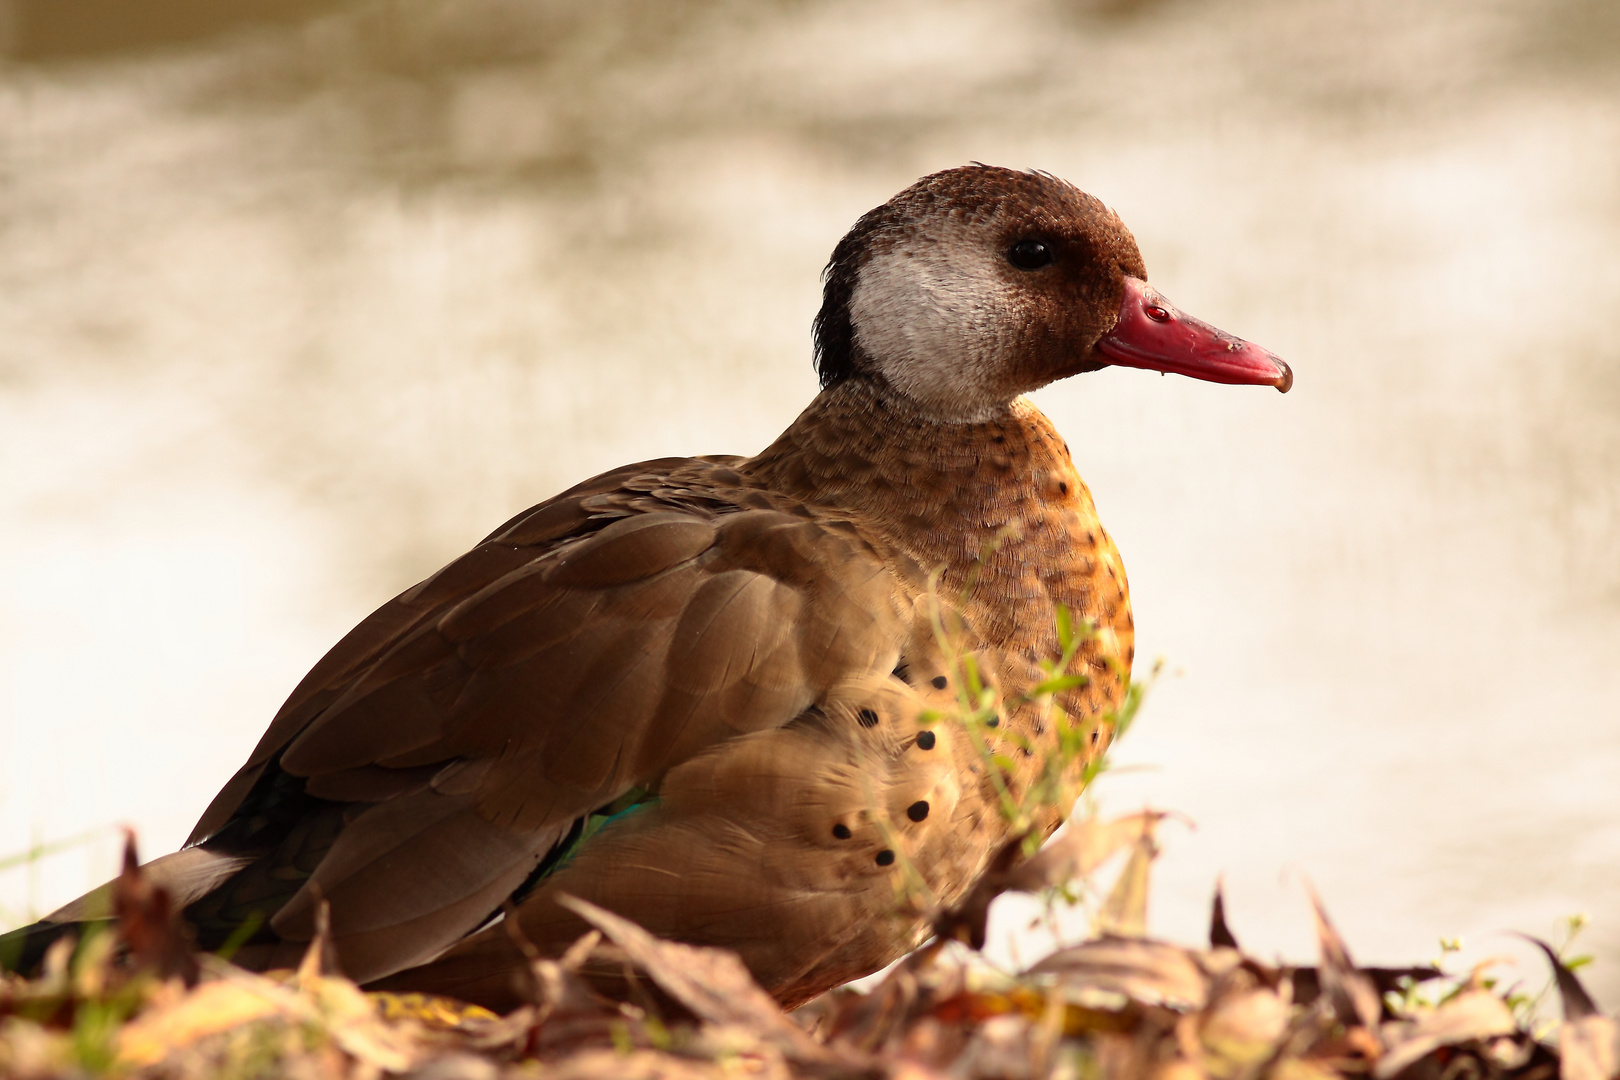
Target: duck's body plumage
column 704, row 693
column 712, row 628
column 743, row 849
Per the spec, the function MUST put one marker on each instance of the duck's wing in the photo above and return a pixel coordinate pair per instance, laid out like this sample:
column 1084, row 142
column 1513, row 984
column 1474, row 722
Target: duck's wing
column 426, row 767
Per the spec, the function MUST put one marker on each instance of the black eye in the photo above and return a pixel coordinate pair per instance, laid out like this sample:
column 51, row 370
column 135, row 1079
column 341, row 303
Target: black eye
column 1029, row 254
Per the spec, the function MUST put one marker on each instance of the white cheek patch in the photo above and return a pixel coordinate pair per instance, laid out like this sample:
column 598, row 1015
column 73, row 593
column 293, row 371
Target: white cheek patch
column 933, row 316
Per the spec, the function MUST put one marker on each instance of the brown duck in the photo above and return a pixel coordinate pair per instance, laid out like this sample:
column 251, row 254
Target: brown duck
column 703, row 693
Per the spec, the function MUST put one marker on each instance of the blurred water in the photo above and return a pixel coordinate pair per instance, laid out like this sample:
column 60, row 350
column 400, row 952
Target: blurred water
column 294, row 309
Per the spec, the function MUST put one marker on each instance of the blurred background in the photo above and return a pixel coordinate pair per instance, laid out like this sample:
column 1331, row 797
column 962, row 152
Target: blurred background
column 299, row 298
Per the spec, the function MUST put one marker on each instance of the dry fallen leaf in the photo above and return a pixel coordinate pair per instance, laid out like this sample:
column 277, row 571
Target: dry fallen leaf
column 149, row 928
column 1083, row 847
column 1471, row 1016
column 1124, row 913
column 431, row 1011
column 1220, row 935
column 1349, row 993
column 1077, row 852
column 1589, row 1048
column 1588, row 1041
column 714, row 984
column 1241, row 1030
column 1148, row 972
column 210, row 1009
column 1297, row 1068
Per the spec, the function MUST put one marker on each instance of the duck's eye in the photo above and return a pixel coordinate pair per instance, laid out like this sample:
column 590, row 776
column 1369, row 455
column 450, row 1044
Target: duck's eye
column 1029, row 254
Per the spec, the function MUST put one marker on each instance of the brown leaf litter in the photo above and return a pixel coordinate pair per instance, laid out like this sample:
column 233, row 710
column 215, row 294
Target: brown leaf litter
column 138, row 1002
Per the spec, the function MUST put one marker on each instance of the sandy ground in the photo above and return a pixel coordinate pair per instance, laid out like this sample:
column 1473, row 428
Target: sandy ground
column 292, row 314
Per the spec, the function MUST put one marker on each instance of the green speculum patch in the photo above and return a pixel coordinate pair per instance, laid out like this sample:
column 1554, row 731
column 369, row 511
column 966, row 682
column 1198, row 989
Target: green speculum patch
column 562, row 853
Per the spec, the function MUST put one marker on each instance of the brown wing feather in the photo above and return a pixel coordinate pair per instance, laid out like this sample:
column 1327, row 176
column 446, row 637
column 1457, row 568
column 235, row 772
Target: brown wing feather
column 588, row 646
column 518, row 542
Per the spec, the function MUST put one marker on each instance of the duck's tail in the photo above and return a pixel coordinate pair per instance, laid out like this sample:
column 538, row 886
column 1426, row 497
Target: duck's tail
column 22, row 951
column 186, row 875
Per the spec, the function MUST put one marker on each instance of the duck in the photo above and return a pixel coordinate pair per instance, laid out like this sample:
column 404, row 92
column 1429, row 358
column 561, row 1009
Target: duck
column 714, row 695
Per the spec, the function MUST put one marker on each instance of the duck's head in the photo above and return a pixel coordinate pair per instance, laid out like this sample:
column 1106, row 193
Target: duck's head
column 977, row 284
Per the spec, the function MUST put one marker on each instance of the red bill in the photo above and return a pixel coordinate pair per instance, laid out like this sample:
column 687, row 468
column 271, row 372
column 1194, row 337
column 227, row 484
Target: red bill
column 1152, row 334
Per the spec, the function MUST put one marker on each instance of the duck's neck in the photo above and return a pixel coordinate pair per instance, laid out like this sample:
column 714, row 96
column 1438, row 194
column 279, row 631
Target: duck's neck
column 995, row 504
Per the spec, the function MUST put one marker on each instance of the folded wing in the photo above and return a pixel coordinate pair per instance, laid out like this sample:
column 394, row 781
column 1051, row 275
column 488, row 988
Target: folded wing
column 442, row 752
